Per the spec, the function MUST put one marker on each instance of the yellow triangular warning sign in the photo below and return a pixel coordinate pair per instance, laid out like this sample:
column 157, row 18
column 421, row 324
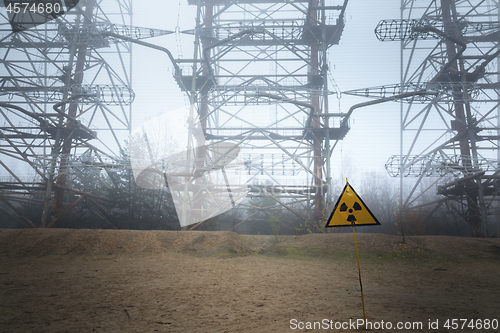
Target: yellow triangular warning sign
column 349, row 210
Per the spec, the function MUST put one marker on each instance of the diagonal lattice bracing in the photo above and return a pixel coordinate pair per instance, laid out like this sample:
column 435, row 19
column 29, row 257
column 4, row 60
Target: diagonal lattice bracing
column 260, row 78
column 65, row 96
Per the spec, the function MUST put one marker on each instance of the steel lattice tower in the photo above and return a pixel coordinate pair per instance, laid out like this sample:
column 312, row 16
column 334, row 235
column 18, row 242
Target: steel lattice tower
column 259, row 78
column 449, row 94
column 65, row 98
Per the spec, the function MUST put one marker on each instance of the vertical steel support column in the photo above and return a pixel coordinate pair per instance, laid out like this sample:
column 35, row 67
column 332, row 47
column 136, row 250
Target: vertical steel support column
column 463, row 121
column 316, row 124
column 73, row 107
column 401, row 131
column 498, row 97
column 498, row 93
column 326, row 120
column 203, row 112
column 203, row 105
column 192, row 101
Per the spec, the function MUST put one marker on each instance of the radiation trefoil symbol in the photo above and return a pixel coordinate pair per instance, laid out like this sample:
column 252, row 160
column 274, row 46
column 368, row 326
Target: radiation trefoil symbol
column 350, row 210
column 350, row 218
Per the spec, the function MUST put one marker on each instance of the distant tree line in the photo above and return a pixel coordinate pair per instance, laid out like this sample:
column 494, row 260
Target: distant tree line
column 114, row 200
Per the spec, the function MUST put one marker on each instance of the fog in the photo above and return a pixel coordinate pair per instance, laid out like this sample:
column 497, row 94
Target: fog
column 359, row 61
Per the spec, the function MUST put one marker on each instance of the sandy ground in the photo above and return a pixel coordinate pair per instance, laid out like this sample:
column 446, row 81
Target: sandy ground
column 61, row 280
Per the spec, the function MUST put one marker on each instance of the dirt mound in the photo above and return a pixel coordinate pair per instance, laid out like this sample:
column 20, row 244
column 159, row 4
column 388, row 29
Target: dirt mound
column 44, row 242
column 381, row 246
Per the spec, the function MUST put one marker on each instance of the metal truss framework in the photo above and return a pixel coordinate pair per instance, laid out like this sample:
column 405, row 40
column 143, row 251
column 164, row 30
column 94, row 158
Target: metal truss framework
column 259, row 78
column 450, row 124
column 65, row 95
